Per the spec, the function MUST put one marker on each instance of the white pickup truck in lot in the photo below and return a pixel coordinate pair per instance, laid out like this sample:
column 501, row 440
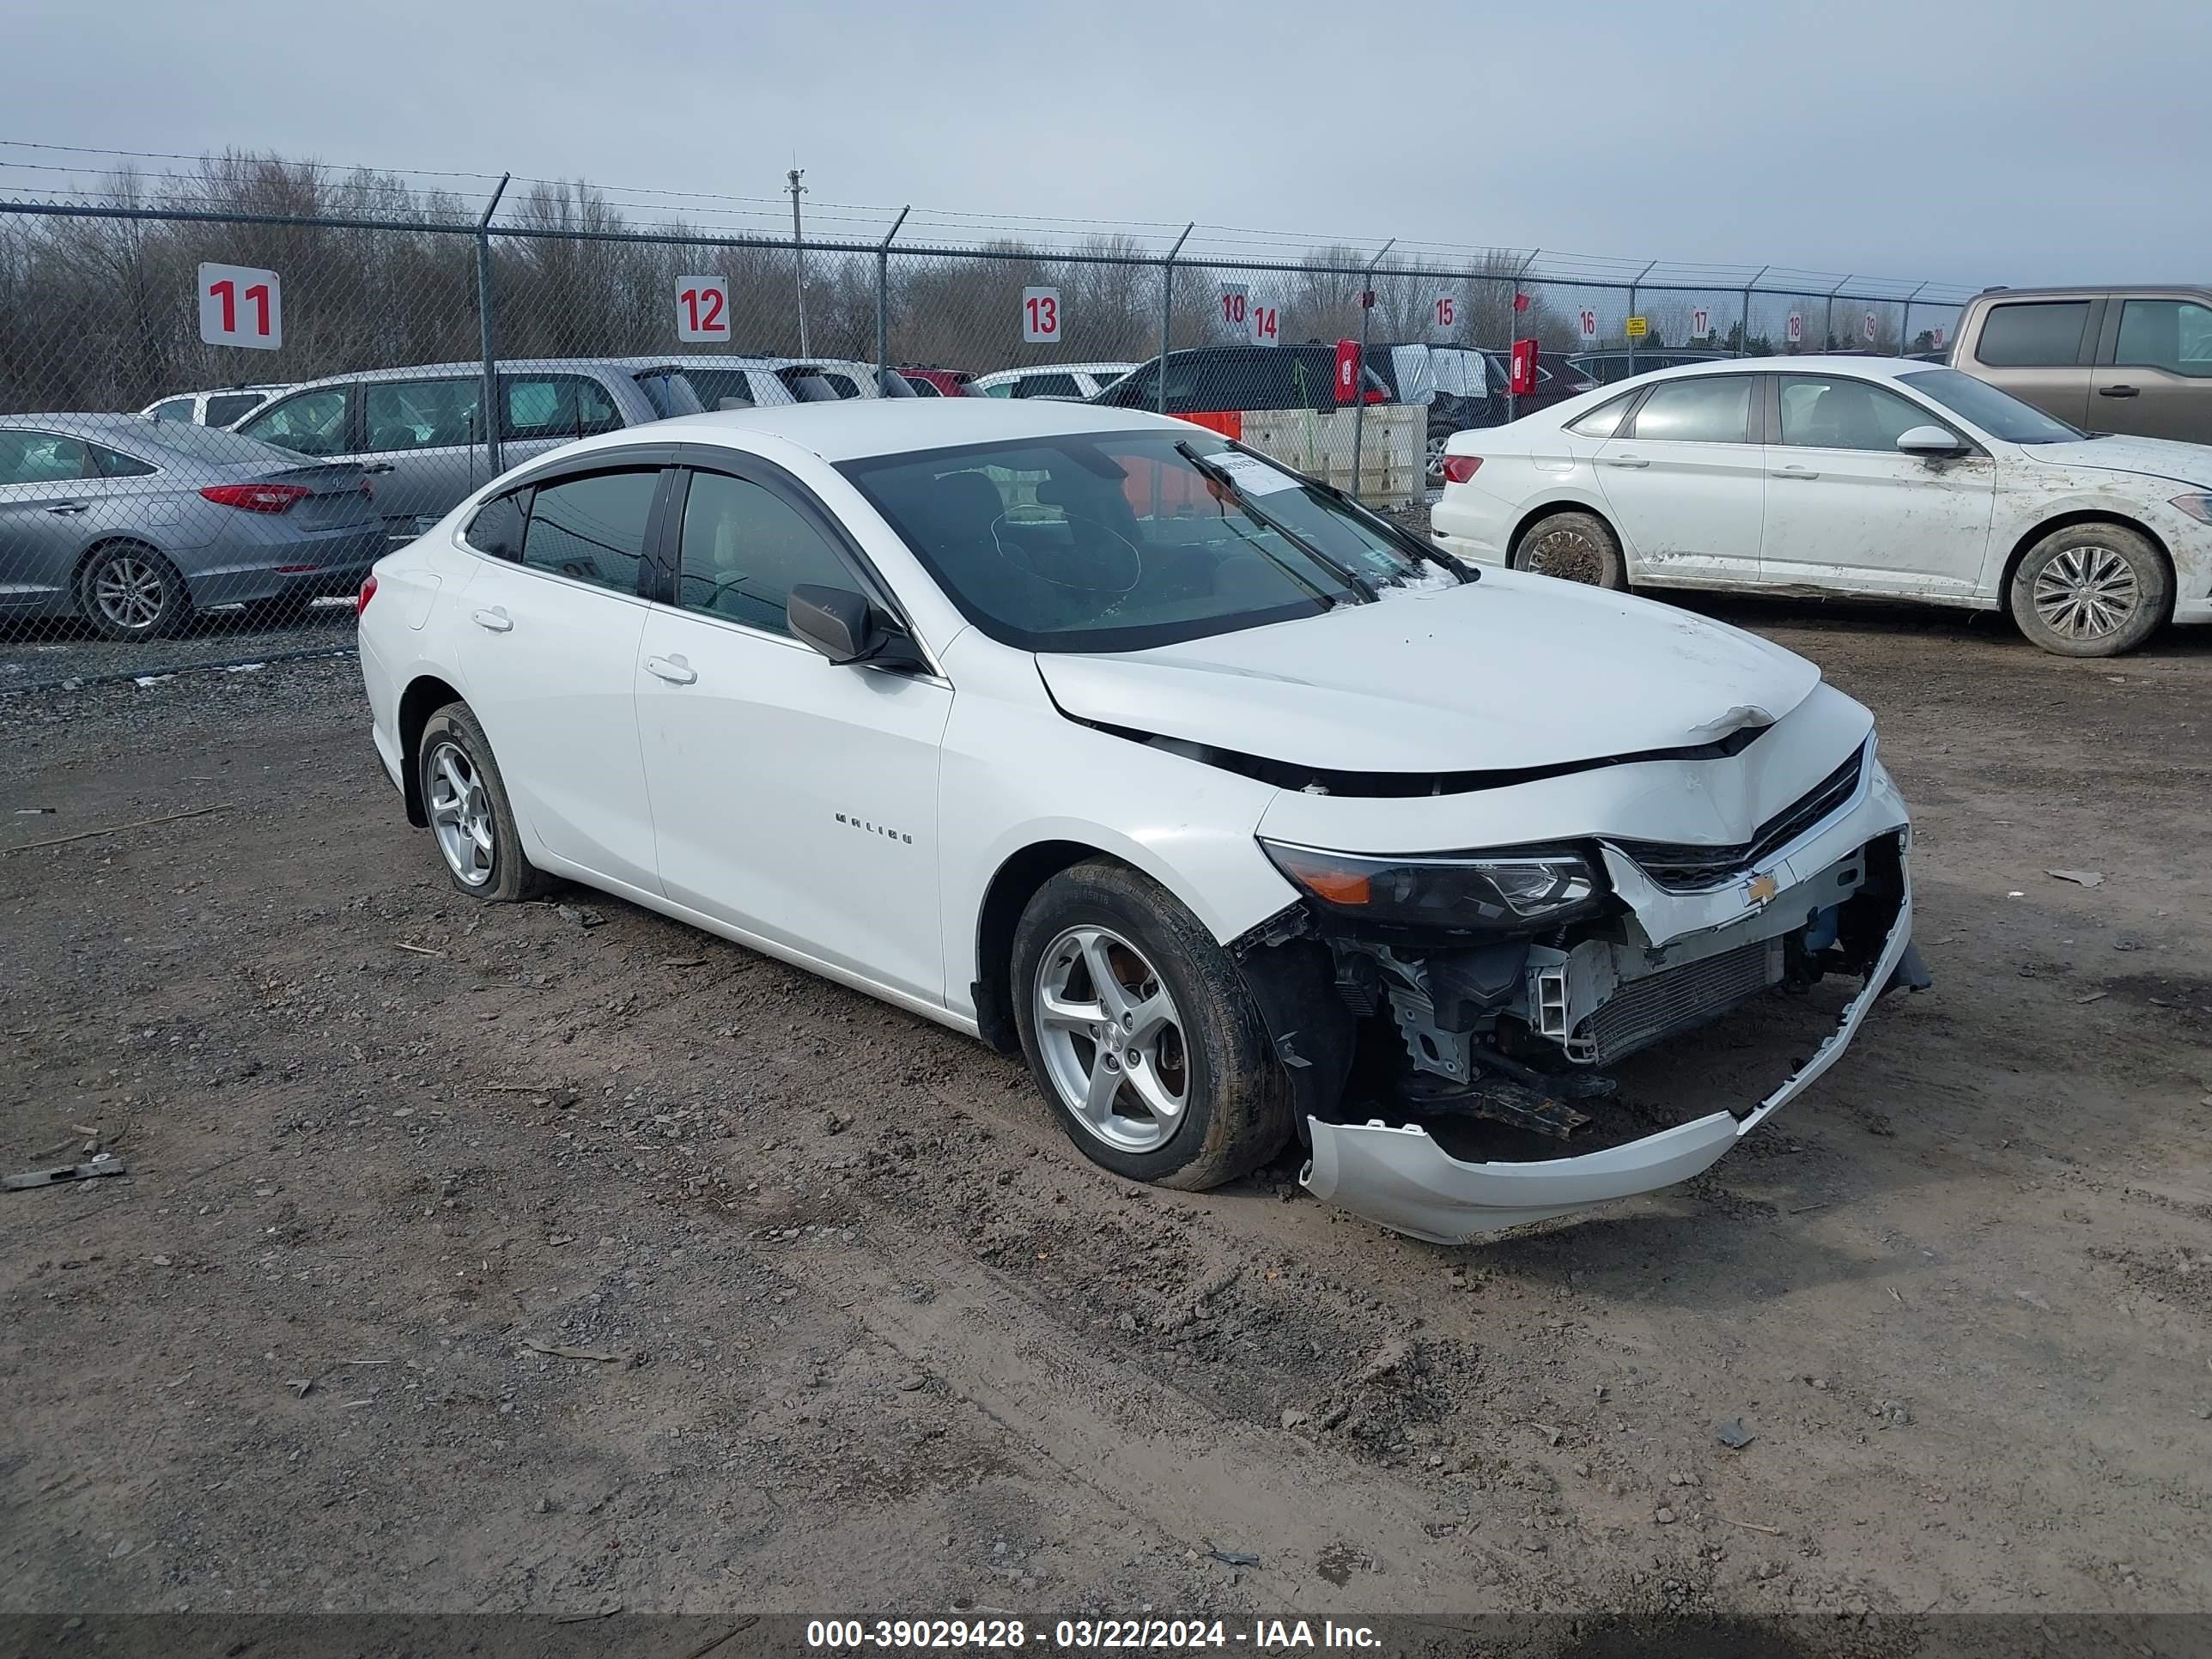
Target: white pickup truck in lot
column 1882, row 478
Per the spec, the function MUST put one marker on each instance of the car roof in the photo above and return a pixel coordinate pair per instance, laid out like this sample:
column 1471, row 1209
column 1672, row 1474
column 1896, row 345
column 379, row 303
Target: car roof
column 1865, row 368
column 2093, row 291
column 854, row 429
column 84, row 425
column 505, row 366
column 1053, row 368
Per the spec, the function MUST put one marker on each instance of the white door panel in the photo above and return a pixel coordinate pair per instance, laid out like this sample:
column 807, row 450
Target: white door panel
column 795, row 799
column 1875, row 523
column 1689, row 512
column 551, row 665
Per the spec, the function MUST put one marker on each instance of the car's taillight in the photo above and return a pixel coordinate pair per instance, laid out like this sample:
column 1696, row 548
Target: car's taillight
column 258, row 498
column 1376, row 395
column 1458, row 469
column 367, row 593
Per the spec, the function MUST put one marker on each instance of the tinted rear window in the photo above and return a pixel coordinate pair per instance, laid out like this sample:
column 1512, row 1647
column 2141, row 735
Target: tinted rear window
column 2039, row 336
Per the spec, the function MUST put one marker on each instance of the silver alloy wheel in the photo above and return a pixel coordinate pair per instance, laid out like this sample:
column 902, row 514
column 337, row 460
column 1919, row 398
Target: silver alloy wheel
column 1111, row 1038
column 1435, row 462
column 2087, row 593
column 1569, row 554
column 128, row 591
column 461, row 813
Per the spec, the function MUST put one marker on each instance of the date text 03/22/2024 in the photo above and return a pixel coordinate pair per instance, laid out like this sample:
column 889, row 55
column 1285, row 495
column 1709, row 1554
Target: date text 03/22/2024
column 1089, row 1635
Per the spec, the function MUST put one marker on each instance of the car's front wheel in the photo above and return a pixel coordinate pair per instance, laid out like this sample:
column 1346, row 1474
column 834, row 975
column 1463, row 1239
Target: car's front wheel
column 2091, row 590
column 465, row 800
column 1140, row 1032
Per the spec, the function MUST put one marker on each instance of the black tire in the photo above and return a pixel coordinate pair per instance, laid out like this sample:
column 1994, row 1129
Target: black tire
column 1574, row 547
column 505, row 876
column 1235, row 1112
column 128, row 591
column 2091, row 590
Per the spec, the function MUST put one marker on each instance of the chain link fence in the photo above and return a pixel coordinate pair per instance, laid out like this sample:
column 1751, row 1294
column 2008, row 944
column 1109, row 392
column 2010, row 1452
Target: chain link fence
column 219, row 406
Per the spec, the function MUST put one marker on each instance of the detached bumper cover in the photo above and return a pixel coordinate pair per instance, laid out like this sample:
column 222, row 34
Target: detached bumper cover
column 1399, row 1177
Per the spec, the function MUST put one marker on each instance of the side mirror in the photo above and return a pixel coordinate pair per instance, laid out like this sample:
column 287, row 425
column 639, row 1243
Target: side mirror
column 1929, row 442
column 846, row 629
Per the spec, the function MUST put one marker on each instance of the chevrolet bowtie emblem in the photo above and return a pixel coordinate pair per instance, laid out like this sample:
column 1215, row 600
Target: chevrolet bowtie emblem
column 1761, row 890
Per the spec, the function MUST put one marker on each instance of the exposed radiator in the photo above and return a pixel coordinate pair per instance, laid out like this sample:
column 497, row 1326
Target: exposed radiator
column 1646, row 1010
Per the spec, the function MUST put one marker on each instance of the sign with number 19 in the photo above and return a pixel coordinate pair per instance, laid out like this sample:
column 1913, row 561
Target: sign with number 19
column 242, row 306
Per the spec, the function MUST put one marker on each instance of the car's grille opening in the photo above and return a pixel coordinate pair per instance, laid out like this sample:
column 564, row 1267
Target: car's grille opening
column 1686, row 868
column 1646, row 1010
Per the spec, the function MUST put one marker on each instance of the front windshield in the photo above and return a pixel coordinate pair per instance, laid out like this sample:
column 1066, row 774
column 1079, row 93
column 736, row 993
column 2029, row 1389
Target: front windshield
column 1115, row 541
column 1997, row 413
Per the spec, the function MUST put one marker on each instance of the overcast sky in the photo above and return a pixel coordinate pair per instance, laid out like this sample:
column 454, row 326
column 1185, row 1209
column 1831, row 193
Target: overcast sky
column 2021, row 141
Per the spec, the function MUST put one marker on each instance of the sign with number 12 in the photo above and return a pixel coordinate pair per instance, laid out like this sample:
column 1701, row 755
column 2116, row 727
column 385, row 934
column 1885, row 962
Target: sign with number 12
column 242, row 306
column 703, row 309
column 1040, row 316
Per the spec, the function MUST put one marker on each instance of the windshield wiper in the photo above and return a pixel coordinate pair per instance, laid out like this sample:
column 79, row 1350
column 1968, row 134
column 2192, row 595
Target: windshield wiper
column 1221, row 476
column 1397, row 532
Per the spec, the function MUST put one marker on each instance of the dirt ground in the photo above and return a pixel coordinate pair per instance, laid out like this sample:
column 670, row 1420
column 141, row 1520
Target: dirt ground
column 560, row 1258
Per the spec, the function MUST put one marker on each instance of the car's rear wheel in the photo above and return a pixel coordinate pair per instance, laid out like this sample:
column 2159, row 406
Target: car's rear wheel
column 1574, row 547
column 2091, row 590
column 128, row 591
column 465, row 800
column 1141, row 1034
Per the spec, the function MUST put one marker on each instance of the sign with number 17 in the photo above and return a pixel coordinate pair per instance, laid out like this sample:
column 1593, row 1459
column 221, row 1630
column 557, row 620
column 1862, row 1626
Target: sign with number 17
column 242, row 306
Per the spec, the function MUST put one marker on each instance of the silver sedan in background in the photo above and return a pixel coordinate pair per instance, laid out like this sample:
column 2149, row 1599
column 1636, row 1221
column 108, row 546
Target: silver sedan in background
column 131, row 524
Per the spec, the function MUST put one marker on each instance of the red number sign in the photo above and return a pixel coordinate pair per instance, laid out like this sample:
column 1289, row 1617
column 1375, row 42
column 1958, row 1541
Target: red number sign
column 1589, row 325
column 1266, row 325
column 1701, row 325
column 1447, row 312
column 1040, row 316
column 1232, row 307
column 1871, row 324
column 1793, row 330
column 703, row 309
column 242, row 306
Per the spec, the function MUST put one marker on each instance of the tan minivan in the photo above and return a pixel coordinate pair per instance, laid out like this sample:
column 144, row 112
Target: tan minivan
column 2131, row 359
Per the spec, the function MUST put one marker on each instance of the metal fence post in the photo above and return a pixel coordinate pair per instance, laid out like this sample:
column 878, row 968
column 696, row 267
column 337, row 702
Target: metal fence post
column 1512, row 332
column 1905, row 328
column 1167, row 309
column 1360, row 383
column 488, row 399
column 1828, row 325
column 1631, row 338
column 884, row 300
column 1743, row 327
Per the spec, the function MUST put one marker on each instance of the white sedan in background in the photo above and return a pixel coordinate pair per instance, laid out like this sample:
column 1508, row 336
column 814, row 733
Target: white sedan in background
column 1895, row 480
column 1087, row 732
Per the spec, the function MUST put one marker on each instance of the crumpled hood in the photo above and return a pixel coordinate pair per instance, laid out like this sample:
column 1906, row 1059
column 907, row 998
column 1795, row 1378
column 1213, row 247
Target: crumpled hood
column 1513, row 671
column 2156, row 458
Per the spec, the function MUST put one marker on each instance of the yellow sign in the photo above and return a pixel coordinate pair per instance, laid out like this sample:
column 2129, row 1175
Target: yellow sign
column 1637, row 328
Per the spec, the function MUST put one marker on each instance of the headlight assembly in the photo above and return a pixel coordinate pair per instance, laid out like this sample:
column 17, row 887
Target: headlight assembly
column 2197, row 505
column 1508, row 891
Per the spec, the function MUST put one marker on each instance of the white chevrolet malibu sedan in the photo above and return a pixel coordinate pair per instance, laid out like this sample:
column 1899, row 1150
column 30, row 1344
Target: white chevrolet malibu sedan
column 1239, row 813
column 1886, row 479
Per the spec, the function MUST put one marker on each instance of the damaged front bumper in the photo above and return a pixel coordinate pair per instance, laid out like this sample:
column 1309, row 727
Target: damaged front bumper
column 1399, row 1177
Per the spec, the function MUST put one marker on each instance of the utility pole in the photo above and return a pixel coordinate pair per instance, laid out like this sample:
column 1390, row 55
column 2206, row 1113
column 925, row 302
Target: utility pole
column 799, row 255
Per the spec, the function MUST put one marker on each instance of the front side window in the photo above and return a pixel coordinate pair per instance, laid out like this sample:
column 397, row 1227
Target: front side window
column 229, row 406
column 591, row 528
column 745, row 547
column 2175, row 335
column 402, row 415
column 1997, row 412
column 2043, row 335
column 312, row 423
column 30, row 458
column 554, row 406
column 1117, row 541
column 1003, row 389
column 1835, row 412
column 1713, row 410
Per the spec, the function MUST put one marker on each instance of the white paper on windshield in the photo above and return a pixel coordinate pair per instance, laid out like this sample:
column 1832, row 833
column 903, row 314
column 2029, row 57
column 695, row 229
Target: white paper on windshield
column 1252, row 475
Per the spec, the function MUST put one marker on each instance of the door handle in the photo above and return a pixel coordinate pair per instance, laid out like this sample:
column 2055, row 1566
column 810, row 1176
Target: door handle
column 378, row 467
column 674, row 670
column 493, row 618
column 2117, row 391
column 1793, row 472
column 64, row 508
column 1625, row 461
